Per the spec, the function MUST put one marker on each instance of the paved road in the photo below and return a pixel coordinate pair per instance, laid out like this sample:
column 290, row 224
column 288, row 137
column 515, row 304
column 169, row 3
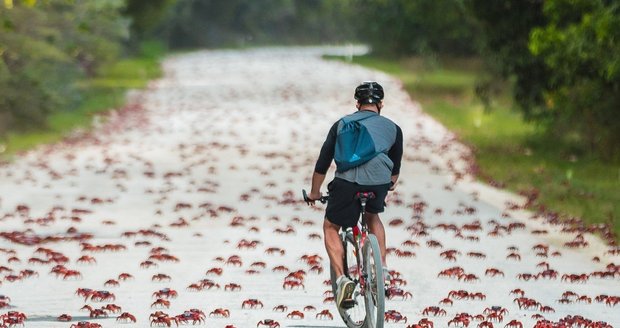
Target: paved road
column 215, row 153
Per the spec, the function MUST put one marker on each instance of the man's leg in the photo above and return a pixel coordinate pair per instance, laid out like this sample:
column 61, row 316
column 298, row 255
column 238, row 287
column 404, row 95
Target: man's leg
column 376, row 228
column 333, row 245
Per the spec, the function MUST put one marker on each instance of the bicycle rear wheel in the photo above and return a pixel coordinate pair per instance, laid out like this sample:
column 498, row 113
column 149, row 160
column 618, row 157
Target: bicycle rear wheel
column 375, row 283
column 355, row 316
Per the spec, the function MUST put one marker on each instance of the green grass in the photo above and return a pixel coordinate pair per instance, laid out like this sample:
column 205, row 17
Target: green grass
column 508, row 150
column 99, row 95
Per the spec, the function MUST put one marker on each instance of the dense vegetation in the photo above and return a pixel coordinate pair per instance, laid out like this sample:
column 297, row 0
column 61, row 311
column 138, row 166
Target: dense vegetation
column 234, row 23
column 45, row 47
column 52, row 51
column 558, row 56
column 562, row 55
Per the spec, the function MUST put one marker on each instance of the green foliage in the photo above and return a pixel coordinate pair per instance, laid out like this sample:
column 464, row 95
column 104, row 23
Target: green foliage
column 212, row 23
column 580, row 48
column 98, row 94
column 405, row 27
column 146, row 15
column 45, row 47
column 506, row 27
column 562, row 58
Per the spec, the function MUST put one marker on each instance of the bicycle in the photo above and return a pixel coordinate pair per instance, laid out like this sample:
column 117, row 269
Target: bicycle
column 366, row 272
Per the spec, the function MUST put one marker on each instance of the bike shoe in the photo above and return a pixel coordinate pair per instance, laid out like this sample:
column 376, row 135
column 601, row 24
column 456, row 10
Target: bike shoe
column 344, row 297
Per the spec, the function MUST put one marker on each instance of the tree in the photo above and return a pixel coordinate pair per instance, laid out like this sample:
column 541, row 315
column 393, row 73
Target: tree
column 562, row 57
column 45, row 47
column 406, row 27
column 146, row 15
column 212, row 23
column 580, row 48
column 506, row 27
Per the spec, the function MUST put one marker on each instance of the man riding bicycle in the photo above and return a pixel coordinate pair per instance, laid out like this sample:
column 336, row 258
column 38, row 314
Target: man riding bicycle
column 378, row 174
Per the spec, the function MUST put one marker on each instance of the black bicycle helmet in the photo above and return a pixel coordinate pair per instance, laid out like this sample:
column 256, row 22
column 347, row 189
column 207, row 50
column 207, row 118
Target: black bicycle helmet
column 369, row 92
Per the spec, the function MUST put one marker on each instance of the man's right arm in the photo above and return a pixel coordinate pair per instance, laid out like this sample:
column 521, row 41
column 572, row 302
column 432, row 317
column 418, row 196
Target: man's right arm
column 396, row 154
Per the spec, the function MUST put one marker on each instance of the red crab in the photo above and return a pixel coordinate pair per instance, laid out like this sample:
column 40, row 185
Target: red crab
column 292, row 284
column 325, row 314
column 223, row 313
column 434, row 310
column 394, row 316
column 161, row 303
column 85, row 324
column 280, row 268
column 393, row 292
column 124, row 276
column 514, row 324
column 446, row 301
column 195, row 315
column 96, row 313
column 84, row 292
column 13, row 318
column 492, row 272
column 280, row 308
column 64, row 317
column 269, row 323
column 113, row 308
column 67, row 274
column 86, row 260
column 295, row 315
column 165, row 293
column 161, row 277
column 126, row 317
column 215, row 271
column 162, row 319
column 101, row 296
column 111, row 283
column 232, row 287
column 252, row 303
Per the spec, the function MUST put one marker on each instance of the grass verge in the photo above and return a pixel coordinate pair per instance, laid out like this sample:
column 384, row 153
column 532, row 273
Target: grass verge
column 99, row 94
column 514, row 153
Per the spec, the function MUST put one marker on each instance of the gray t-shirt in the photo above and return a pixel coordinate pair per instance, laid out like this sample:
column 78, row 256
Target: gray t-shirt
column 388, row 140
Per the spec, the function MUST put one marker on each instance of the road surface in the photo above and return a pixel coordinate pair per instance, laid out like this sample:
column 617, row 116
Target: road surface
column 209, row 162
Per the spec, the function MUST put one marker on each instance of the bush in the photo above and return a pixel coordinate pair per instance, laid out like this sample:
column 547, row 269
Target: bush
column 580, row 47
column 45, row 48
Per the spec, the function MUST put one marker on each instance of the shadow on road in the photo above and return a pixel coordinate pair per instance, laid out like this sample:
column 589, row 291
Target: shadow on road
column 44, row 318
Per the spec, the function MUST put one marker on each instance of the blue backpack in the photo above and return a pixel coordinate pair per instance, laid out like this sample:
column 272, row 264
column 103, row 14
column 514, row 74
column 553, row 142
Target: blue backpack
column 354, row 145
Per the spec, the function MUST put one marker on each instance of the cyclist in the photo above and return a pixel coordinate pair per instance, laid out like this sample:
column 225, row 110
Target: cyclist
column 378, row 175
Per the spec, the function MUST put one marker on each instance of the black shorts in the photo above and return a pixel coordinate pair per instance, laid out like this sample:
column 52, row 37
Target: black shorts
column 342, row 207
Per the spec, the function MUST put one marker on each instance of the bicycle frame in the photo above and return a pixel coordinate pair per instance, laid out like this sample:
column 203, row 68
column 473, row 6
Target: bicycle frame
column 360, row 238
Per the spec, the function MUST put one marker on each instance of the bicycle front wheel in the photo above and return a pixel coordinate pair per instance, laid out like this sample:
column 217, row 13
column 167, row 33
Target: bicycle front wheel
column 353, row 317
column 375, row 284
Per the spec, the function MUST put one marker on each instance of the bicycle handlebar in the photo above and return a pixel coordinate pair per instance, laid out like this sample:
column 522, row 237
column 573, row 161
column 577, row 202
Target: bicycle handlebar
column 323, row 199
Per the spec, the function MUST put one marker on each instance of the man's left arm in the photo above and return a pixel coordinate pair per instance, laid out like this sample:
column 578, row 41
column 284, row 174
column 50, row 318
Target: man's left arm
column 323, row 162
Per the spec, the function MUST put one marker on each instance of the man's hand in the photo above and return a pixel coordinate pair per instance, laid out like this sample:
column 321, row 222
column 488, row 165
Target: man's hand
column 313, row 196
